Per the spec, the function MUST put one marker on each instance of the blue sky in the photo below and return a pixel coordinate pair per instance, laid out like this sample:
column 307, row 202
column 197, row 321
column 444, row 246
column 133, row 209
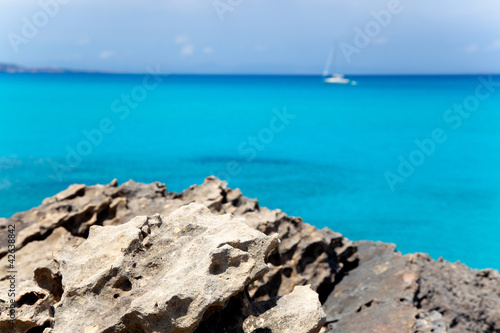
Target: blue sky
column 254, row 36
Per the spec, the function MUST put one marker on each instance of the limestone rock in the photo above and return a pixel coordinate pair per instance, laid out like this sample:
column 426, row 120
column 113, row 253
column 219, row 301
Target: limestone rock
column 364, row 286
column 80, row 206
column 157, row 274
column 429, row 323
column 306, row 255
column 32, row 301
column 297, row 312
column 33, row 310
column 36, row 252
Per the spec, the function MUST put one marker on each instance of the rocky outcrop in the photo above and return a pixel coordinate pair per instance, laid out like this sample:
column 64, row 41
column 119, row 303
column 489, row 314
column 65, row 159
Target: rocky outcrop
column 305, row 256
column 152, row 274
column 363, row 286
column 37, row 301
column 469, row 300
column 158, row 274
column 390, row 292
column 36, row 252
column 377, row 296
column 300, row 309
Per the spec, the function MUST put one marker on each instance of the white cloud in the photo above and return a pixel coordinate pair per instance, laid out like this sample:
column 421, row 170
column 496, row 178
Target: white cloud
column 471, row 48
column 182, row 39
column 106, row 54
column 380, row 41
column 187, row 50
column 495, row 45
column 208, row 50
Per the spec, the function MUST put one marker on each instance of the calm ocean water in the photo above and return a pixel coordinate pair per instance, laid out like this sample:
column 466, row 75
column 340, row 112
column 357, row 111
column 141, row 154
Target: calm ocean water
column 317, row 151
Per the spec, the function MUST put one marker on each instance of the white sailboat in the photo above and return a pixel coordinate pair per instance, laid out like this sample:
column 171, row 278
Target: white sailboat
column 335, row 78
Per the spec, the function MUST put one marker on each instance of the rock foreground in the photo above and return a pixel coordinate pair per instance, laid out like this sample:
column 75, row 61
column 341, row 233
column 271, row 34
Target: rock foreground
column 136, row 258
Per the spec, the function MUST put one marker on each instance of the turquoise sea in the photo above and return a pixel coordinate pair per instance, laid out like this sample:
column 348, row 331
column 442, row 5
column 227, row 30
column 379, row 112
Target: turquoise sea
column 322, row 152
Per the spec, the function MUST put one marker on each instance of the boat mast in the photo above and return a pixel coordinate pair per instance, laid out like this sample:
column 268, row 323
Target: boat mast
column 329, row 62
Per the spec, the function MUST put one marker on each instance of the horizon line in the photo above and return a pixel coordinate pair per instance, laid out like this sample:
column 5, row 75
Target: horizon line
column 11, row 68
column 61, row 71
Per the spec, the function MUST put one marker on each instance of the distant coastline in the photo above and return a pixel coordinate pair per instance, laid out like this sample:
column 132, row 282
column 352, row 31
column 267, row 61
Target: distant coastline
column 12, row 68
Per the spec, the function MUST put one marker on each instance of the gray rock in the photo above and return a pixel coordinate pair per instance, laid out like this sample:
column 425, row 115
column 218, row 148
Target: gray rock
column 377, row 296
column 469, row 300
column 391, row 292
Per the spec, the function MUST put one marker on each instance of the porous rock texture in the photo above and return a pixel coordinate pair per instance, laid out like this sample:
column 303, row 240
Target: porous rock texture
column 301, row 308
column 390, row 292
column 363, row 286
column 31, row 255
column 158, row 276
column 152, row 274
column 306, row 255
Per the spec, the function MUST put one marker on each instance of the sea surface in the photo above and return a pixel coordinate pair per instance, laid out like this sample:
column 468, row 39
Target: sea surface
column 327, row 153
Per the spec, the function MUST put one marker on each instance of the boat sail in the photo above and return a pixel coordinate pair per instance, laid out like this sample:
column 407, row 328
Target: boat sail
column 335, row 78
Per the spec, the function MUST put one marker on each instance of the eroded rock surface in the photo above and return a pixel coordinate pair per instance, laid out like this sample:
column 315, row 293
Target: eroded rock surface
column 155, row 274
column 469, row 300
column 390, row 292
column 33, row 310
column 299, row 311
column 365, row 286
column 377, row 296
column 36, row 252
column 305, row 256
